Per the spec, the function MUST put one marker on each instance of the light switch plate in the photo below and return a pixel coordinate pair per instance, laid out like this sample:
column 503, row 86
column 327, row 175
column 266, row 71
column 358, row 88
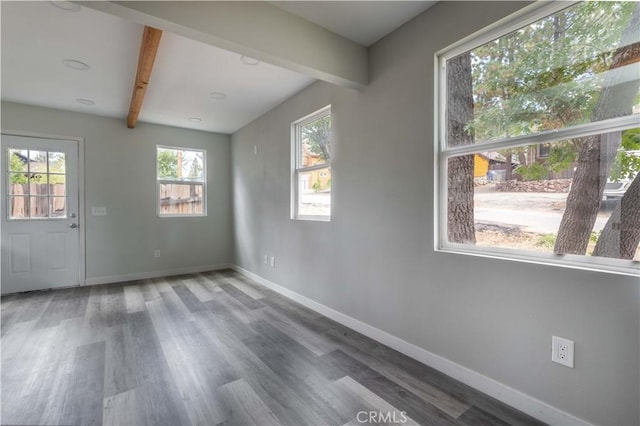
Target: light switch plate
column 98, row 211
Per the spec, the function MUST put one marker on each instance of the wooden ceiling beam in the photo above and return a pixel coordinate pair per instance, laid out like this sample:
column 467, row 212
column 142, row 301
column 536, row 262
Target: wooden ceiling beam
column 148, row 49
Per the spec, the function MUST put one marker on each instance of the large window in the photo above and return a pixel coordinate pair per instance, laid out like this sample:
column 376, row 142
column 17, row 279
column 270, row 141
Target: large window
column 539, row 139
column 181, row 176
column 311, row 181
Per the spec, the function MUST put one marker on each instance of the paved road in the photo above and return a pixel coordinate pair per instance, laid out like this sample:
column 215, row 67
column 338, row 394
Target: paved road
column 532, row 212
column 531, row 221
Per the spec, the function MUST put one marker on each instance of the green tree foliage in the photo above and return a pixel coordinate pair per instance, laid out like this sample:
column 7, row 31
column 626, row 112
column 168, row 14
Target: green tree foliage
column 317, row 135
column 627, row 162
column 167, row 164
column 38, row 160
column 16, row 164
column 531, row 172
column 179, row 164
column 547, row 75
column 561, row 156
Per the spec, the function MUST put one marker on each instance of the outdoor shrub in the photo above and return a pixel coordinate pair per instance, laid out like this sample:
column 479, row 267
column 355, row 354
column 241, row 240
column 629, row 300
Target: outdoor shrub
column 533, row 171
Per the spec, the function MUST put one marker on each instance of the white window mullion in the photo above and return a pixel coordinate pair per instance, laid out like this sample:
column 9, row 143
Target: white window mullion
column 599, row 127
column 314, row 167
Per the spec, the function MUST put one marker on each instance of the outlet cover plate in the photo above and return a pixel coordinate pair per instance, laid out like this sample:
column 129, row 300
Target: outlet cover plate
column 562, row 351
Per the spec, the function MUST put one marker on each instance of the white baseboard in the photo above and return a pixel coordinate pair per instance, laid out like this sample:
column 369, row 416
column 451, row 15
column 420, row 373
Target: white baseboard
column 510, row 396
column 154, row 274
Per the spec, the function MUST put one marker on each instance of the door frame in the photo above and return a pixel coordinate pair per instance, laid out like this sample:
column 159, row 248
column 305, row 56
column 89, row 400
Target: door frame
column 81, row 207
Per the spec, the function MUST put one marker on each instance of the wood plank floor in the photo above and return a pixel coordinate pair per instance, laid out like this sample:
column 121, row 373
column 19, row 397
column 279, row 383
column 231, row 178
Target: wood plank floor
column 211, row 349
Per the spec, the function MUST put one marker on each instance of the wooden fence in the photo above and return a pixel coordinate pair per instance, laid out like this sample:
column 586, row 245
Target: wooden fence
column 181, row 199
column 49, row 200
column 43, row 200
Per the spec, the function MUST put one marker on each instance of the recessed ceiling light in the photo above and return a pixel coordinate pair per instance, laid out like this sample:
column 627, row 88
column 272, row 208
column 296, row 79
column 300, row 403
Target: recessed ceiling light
column 75, row 65
column 217, row 95
column 249, row 60
column 195, row 119
column 66, row 5
column 87, row 102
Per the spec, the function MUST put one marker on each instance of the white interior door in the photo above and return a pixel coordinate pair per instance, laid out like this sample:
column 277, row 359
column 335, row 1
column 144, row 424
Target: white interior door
column 40, row 208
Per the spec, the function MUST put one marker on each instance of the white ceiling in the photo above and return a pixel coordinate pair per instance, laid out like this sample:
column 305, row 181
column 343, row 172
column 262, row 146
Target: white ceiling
column 38, row 36
column 364, row 22
column 186, row 72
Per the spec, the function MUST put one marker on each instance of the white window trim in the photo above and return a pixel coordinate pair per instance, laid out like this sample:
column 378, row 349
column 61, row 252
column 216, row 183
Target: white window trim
column 182, row 182
column 296, row 137
column 442, row 152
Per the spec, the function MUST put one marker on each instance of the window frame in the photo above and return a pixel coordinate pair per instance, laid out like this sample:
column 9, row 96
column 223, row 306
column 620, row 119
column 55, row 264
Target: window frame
column 442, row 152
column 28, row 196
column 203, row 183
column 296, row 160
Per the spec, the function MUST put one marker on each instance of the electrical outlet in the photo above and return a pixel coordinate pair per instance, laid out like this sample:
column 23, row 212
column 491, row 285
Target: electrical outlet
column 156, row 253
column 273, row 262
column 265, row 259
column 562, row 351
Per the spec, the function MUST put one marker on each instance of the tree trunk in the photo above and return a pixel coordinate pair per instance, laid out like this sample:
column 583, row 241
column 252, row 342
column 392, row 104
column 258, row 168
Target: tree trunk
column 508, row 172
column 558, row 27
column 460, row 220
column 323, row 140
column 583, row 202
column 621, row 234
column 522, row 158
column 598, row 151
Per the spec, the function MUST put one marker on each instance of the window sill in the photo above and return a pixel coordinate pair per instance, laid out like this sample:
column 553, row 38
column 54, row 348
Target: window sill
column 181, row 215
column 595, row 264
column 312, row 218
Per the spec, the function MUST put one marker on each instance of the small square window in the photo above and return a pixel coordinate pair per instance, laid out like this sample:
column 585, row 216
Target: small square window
column 181, row 182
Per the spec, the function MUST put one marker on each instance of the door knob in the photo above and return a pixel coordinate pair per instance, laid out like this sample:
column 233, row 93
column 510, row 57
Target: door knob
column 73, row 225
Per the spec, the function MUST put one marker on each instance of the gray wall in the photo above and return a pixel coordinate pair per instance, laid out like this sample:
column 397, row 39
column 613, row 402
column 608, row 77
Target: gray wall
column 120, row 175
column 375, row 260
